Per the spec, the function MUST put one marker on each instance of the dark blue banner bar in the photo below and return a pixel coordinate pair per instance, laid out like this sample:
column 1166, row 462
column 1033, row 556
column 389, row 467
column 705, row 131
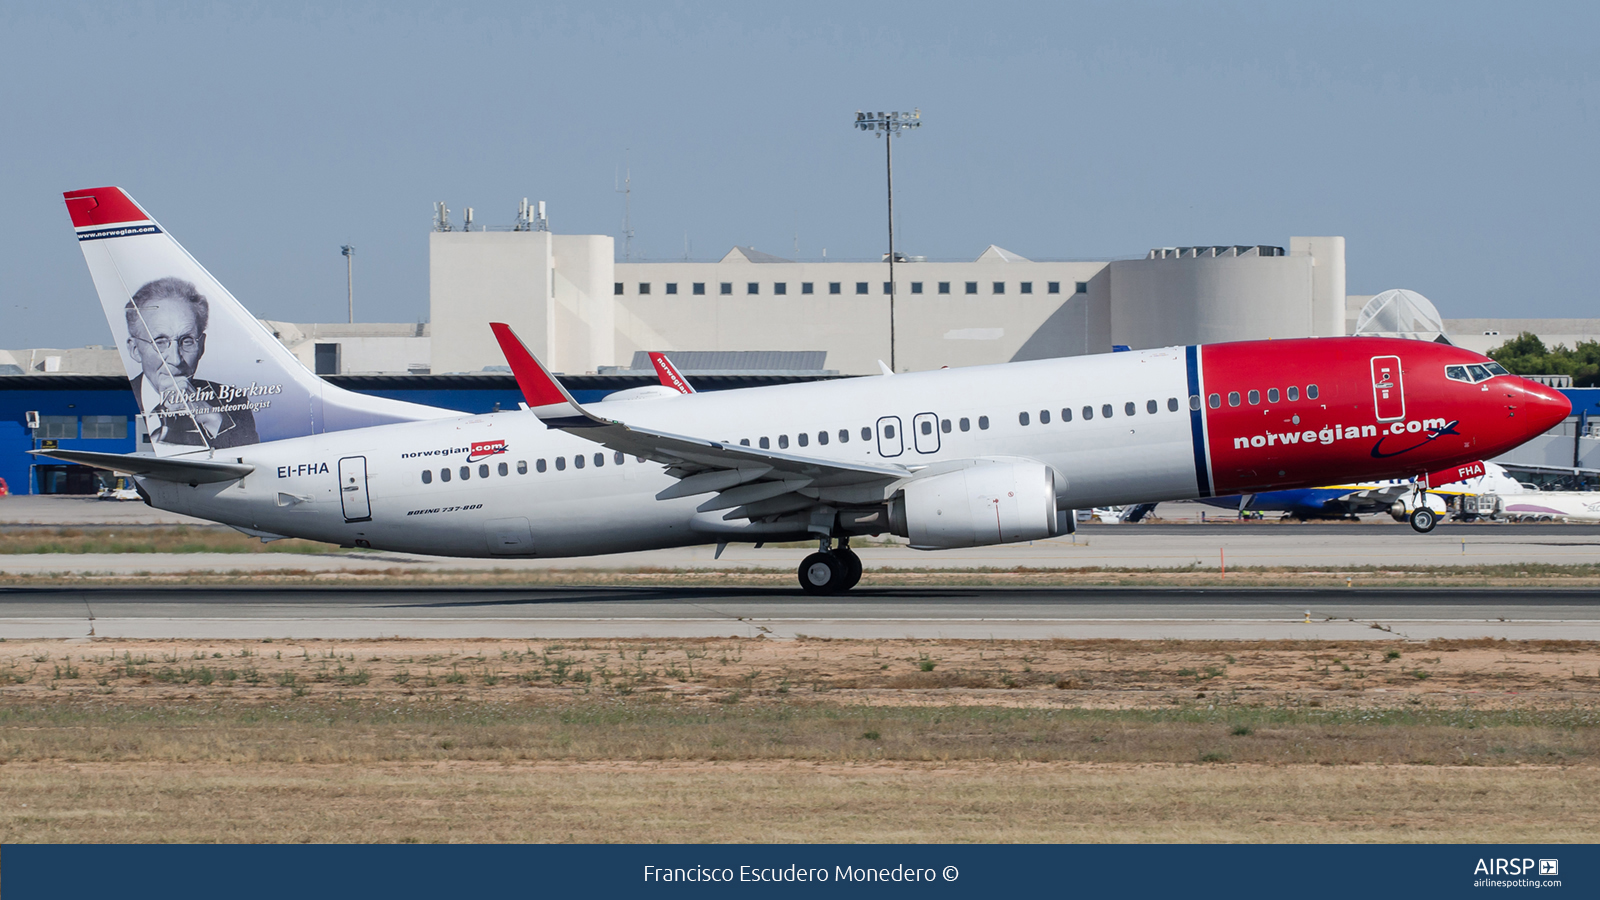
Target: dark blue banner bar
column 432, row 871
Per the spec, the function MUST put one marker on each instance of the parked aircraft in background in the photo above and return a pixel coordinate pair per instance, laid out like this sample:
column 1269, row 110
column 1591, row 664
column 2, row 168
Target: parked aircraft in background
column 242, row 434
column 1395, row 495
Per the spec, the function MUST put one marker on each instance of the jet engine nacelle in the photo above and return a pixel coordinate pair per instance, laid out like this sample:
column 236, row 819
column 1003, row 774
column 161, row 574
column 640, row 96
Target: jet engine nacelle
column 985, row 503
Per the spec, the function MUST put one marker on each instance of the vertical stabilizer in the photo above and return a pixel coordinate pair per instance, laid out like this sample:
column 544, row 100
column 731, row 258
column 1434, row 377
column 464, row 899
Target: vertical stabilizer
column 205, row 373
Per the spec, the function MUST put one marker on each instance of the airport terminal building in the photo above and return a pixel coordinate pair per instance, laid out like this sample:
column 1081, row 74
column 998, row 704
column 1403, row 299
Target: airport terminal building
column 756, row 318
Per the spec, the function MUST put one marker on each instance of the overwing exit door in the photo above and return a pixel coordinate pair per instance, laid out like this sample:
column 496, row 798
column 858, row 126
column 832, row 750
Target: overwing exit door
column 1388, row 391
column 925, row 433
column 891, row 442
column 353, row 489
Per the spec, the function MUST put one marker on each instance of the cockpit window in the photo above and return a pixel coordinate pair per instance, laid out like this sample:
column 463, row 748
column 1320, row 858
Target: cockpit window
column 1474, row 373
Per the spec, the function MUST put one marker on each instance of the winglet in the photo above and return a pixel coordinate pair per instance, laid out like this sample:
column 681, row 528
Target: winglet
column 669, row 374
column 884, row 368
column 545, row 396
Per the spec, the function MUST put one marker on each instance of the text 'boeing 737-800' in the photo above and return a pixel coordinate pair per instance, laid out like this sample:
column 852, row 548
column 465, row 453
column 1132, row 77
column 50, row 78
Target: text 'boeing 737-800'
column 241, row 433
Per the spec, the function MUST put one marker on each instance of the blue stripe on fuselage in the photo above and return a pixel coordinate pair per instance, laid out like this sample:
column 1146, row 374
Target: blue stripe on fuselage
column 1196, row 424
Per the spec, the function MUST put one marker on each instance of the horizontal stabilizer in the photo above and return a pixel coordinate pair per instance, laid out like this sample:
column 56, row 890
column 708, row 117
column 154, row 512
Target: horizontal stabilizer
column 163, row 468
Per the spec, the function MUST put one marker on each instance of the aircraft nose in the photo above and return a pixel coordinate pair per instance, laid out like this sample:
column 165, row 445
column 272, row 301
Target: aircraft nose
column 1546, row 406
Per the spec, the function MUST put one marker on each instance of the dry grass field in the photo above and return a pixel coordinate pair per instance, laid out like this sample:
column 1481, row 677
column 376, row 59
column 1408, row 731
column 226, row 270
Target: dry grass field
column 809, row 740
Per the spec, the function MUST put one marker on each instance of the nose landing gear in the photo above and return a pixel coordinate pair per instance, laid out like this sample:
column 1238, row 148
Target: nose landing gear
column 1423, row 519
column 830, row 571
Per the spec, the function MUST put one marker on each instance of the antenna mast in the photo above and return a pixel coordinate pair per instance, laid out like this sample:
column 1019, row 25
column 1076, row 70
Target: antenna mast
column 627, row 214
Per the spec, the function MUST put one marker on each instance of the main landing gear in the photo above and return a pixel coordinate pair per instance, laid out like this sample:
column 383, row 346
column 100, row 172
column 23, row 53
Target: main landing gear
column 830, row 571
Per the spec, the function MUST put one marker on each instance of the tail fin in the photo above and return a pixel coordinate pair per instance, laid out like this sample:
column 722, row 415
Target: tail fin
column 205, row 373
column 669, row 374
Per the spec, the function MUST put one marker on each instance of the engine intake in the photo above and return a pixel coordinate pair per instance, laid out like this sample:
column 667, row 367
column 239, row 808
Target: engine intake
column 986, row 503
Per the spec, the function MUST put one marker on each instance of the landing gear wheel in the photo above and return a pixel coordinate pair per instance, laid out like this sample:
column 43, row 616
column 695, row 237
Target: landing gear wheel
column 852, row 567
column 1423, row 519
column 822, row 573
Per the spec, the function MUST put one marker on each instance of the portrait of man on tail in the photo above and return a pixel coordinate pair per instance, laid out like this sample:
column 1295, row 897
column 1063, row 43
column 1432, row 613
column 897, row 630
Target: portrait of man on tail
column 167, row 321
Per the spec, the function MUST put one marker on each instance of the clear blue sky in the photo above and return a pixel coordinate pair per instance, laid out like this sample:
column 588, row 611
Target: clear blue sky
column 1452, row 144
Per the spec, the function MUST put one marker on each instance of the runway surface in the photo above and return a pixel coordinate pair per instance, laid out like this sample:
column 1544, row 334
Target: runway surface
column 1331, row 547
column 883, row 613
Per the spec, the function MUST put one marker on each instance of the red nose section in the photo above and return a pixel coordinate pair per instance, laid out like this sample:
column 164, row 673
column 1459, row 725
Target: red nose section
column 1547, row 407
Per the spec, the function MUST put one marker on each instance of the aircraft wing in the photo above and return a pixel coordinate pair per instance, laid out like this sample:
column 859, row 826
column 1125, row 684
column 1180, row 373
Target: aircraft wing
column 1372, row 499
column 165, row 468
column 750, row 481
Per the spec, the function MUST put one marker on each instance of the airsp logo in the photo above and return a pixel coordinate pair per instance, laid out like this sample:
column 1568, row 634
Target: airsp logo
column 1514, row 867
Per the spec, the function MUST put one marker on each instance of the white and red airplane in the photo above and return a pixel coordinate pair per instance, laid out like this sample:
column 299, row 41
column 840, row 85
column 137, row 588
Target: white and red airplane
column 241, row 433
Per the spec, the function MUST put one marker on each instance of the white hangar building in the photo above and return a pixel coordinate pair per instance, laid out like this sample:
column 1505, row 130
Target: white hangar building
column 584, row 312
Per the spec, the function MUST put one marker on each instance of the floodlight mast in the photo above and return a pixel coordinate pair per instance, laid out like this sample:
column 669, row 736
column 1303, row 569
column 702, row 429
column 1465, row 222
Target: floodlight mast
column 889, row 125
column 349, row 252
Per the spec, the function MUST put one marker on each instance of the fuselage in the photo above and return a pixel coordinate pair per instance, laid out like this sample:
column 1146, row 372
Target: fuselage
column 1166, row 424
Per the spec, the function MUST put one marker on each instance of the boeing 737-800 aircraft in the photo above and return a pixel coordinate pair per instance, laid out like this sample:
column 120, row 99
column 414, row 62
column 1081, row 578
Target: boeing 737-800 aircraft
column 240, row 433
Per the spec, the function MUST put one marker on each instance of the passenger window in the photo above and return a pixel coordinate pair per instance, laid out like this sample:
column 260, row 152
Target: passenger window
column 1066, row 414
column 1311, row 392
column 1150, row 406
column 1272, row 395
column 483, row 470
column 803, row 438
column 1105, row 410
column 822, row 437
column 765, row 444
column 505, row 469
column 1233, row 398
column 599, row 460
column 444, row 474
column 577, row 460
column 1172, row 403
column 1294, row 393
column 927, row 427
column 983, row 423
column 561, row 464
column 783, row 442
column 522, row 466
column 1022, row 417
column 965, row 423
column 1044, row 417
column 844, row 435
column 744, row 442
column 866, row 434
column 540, row 466
column 619, row 458
column 1255, row 398
column 427, row 476
column 1216, row 401
column 1088, row 413
column 466, row 472
column 944, row 425
column 888, row 432
column 1128, row 408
